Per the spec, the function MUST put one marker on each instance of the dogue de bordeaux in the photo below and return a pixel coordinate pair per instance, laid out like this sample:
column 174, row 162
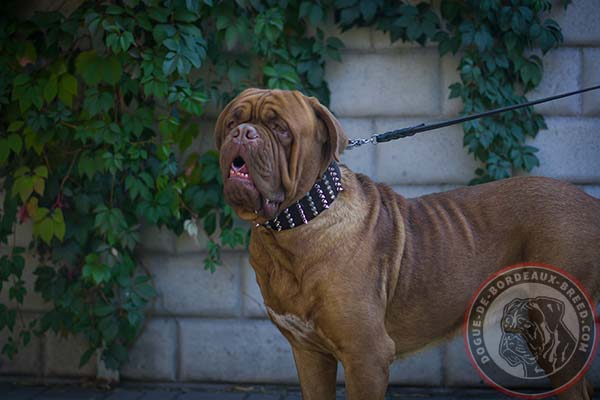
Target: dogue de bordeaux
column 351, row 271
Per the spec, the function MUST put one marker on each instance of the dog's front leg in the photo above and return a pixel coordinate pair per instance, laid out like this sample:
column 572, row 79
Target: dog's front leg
column 366, row 377
column 366, row 366
column 317, row 373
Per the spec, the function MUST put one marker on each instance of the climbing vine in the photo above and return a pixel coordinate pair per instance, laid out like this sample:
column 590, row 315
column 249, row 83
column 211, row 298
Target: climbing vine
column 499, row 43
column 99, row 113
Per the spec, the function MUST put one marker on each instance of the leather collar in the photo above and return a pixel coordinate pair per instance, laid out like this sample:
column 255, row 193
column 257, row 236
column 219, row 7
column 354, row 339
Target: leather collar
column 317, row 200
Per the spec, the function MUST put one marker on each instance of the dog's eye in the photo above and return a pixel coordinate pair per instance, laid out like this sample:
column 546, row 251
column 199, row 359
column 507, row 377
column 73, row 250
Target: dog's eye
column 280, row 128
column 231, row 124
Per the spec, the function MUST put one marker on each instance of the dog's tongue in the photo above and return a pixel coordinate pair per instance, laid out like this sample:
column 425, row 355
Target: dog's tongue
column 243, row 169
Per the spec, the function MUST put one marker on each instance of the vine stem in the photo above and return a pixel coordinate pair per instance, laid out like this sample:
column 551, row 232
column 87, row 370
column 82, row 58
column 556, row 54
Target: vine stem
column 112, row 190
column 47, row 162
column 68, row 174
column 69, row 125
column 147, row 141
column 188, row 209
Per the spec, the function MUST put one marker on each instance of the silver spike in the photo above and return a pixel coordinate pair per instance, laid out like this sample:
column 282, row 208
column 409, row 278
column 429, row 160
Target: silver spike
column 313, row 207
column 302, row 214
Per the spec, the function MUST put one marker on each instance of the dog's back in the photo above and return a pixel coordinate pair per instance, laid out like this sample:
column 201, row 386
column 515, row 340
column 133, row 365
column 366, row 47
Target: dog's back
column 456, row 239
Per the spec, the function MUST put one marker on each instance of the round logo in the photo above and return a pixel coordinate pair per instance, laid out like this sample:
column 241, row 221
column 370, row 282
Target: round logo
column 531, row 327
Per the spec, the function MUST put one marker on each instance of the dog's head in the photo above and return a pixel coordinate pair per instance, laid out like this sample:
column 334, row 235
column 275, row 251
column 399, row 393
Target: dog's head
column 515, row 351
column 274, row 145
column 536, row 318
column 530, row 328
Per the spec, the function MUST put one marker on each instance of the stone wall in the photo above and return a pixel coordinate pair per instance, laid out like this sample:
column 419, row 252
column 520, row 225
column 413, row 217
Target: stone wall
column 212, row 327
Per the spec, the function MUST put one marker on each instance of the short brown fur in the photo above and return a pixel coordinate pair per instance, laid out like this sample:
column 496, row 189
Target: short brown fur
column 379, row 276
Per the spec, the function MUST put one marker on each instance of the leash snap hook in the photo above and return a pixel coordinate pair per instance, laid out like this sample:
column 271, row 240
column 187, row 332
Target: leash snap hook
column 352, row 143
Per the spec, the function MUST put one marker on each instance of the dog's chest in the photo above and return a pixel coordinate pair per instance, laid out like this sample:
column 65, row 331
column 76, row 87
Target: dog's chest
column 303, row 332
column 300, row 329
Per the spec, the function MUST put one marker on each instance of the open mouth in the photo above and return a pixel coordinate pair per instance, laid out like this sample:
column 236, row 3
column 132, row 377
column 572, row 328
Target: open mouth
column 239, row 169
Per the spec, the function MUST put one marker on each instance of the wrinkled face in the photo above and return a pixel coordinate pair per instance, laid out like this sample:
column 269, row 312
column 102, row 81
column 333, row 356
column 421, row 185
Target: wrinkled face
column 273, row 146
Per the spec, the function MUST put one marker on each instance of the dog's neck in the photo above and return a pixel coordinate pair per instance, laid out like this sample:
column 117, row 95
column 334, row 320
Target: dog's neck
column 314, row 202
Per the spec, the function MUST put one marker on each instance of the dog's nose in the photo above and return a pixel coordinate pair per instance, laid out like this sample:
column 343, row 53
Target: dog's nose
column 245, row 133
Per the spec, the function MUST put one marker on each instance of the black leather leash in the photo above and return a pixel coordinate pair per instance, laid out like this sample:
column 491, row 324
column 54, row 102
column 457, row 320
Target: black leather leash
column 412, row 130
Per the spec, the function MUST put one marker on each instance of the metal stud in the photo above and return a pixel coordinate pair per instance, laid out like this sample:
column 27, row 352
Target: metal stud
column 312, row 206
column 329, row 189
column 322, row 196
column 288, row 216
column 304, row 221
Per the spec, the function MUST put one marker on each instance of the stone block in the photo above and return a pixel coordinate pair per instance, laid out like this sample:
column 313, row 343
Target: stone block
column 592, row 190
column 24, row 232
column 562, row 73
column 159, row 240
column 458, row 369
column 436, row 157
column 354, row 39
column 569, row 149
column 185, row 288
column 382, row 41
column 421, row 369
column 591, row 77
column 252, row 300
column 401, row 83
column 361, row 159
column 28, row 361
column 450, row 75
column 186, row 244
column 62, row 355
column 579, row 22
column 154, row 354
column 33, row 301
column 411, row 191
column 234, row 351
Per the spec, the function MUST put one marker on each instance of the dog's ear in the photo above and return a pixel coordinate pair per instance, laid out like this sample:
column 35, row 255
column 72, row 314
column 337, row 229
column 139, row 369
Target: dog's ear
column 336, row 137
column 552, row 309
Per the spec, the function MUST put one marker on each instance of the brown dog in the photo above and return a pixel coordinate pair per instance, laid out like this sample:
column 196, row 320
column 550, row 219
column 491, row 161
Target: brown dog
column 376, row 276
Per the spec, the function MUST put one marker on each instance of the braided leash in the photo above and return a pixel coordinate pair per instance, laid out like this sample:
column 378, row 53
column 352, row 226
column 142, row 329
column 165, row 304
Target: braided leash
column 412, row 130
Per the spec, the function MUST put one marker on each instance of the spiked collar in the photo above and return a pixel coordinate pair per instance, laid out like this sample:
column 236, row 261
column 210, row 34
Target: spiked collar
column 316, row 200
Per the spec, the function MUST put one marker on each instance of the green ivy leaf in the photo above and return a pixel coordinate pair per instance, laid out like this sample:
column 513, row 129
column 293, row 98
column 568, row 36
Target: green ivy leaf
column 87, row 65
column 51, row 89
column 112, row 70
column 14, row 143
column 94, row 270
column 23, row 186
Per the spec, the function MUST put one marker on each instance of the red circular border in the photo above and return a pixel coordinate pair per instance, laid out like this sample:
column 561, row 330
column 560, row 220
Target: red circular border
column 555, row 391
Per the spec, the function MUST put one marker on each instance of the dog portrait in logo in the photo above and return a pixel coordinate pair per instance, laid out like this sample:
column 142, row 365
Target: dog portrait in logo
column 351, row 271
column 535, row 336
